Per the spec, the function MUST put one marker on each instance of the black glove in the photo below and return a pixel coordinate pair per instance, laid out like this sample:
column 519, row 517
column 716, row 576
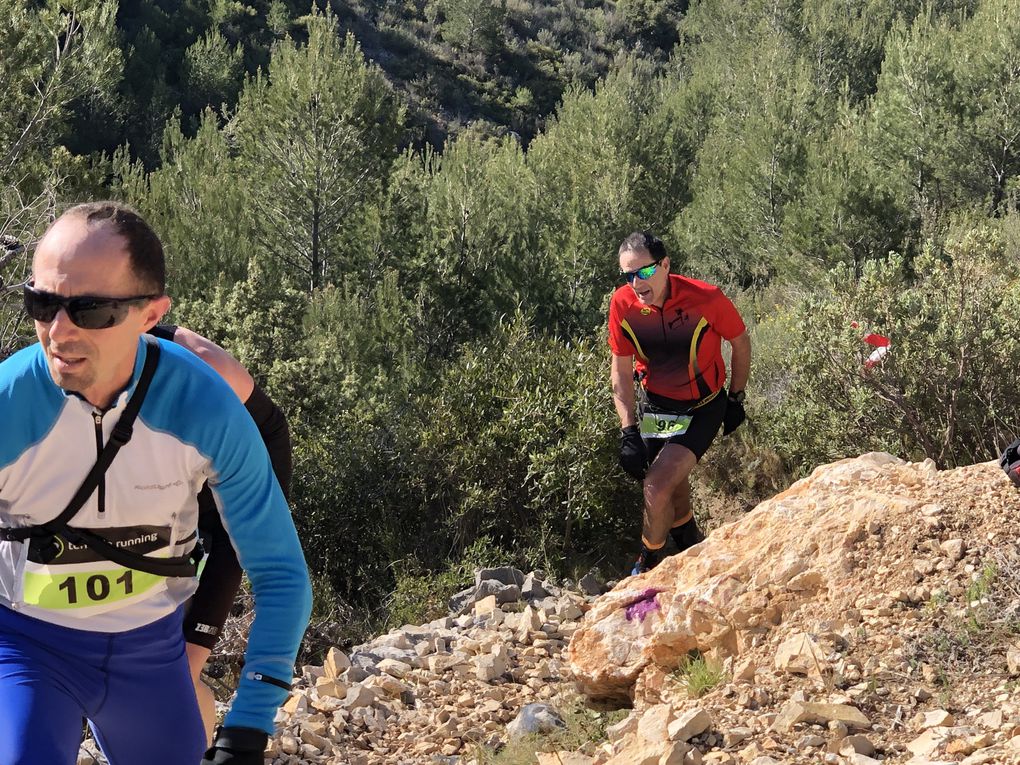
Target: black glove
column 1010, row 462
column 734, row 417
column 633, row 456
column 237, row 746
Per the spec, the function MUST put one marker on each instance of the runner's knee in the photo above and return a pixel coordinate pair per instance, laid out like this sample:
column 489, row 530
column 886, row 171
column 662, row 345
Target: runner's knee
column 657, row 491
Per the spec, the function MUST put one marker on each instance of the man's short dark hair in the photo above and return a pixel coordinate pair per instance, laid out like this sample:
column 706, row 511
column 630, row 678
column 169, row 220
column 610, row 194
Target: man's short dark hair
column 644, row 240
column 143, row 246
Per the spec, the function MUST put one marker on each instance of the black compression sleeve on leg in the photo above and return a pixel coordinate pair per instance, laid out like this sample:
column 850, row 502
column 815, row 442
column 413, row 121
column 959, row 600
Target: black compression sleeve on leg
column 221, row 578
column 273, row 426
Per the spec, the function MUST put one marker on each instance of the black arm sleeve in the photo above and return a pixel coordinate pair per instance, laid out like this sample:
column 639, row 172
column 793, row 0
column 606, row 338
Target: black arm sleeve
column 221, row 577
column 164, row 331
column 275, row 433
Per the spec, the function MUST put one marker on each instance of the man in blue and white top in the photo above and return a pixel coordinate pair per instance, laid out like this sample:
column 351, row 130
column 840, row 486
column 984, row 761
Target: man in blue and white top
column 81, row 635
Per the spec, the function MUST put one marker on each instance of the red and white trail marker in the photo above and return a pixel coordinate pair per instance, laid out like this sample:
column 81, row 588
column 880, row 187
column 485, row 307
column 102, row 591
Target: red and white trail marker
column 881, row 343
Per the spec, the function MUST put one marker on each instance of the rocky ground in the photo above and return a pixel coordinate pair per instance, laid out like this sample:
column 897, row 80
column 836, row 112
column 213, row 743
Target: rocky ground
column 869, row 613
column 434, row 693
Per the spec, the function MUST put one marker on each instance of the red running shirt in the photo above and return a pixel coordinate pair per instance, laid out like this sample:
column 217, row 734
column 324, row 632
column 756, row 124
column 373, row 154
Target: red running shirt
column 677, row 348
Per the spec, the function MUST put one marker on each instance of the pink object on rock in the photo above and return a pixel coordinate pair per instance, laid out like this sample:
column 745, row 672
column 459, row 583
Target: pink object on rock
column 642, row 606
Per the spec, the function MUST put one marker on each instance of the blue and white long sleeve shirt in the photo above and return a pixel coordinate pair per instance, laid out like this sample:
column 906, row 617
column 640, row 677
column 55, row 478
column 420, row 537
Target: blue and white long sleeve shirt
column 191, row 429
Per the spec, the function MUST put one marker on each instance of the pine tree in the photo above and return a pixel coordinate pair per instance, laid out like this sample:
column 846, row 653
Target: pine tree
column 316, row 136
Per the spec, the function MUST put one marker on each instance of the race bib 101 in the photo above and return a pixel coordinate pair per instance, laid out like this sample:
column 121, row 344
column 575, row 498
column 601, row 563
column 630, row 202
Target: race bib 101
column 80, row 581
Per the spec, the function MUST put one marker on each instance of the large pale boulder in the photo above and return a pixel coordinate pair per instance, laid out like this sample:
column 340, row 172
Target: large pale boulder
column 714, row 597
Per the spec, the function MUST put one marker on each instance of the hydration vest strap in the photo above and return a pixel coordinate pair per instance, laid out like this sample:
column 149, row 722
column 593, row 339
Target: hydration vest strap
column 185, row 565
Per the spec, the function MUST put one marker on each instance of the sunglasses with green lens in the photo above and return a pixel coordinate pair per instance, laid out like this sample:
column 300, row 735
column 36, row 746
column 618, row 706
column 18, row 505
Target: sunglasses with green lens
column 645, row 272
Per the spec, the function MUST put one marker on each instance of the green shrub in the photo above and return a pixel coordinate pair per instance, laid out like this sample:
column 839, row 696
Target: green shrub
column 508, row 450
column 945, row 390
column 519, row 445
column 420, row 595
column 699, row 675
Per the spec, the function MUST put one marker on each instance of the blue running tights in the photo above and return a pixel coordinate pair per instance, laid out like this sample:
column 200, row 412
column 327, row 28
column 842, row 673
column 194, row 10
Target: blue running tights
column 133, row 687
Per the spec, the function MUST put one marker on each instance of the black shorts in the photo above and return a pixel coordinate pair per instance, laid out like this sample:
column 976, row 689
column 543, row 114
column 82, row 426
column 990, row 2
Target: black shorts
column 705, row 422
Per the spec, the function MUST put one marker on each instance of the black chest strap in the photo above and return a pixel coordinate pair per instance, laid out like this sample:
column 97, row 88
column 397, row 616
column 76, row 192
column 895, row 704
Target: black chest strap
column 43, row 535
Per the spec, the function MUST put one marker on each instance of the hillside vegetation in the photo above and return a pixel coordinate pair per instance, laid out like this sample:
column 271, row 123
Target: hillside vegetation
column 430, row 315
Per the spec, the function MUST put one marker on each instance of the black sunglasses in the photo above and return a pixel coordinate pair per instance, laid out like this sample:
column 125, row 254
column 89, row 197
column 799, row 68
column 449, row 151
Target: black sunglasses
column 85, row 311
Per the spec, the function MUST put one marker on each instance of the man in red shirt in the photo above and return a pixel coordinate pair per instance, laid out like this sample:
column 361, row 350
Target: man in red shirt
column 667, row 330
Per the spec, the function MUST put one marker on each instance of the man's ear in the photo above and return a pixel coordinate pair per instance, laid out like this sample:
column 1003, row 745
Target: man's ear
column 156, row 310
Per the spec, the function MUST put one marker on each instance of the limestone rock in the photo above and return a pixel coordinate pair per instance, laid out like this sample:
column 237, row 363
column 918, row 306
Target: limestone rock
column 296, row 705
column 1013, row 659
column 929, row 741
column 289, row 745
column 640, row 751
column 491, row 666
column 462, row 601
column 485, row 606
column 653, row 724
column 797, row 711
column 992, row 720
column 318, row 741
column 744, row 671
column 800, row 654
column 326, row 687
column 397, row 669
column 625, row 727
column 359, row 696
column 954, row 549
column 503, row 593
column 679, row 753
column 857, row 743
column 711, row 597
column 855, row 758
column 505, row 575
column 828, row 563
column 938, row 718
column 336, row 663
column 734, row 736
column 533, row 589
column 535, row 718
column 691, row 723
column 590, row 584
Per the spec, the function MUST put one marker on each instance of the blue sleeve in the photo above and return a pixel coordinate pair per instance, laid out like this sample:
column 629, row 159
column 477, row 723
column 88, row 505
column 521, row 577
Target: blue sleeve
column 205, row 412
column 28, row 410
column 256, row 516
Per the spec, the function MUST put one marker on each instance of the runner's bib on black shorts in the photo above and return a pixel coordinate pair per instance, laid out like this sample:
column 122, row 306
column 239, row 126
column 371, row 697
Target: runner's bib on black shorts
column 693, row 425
